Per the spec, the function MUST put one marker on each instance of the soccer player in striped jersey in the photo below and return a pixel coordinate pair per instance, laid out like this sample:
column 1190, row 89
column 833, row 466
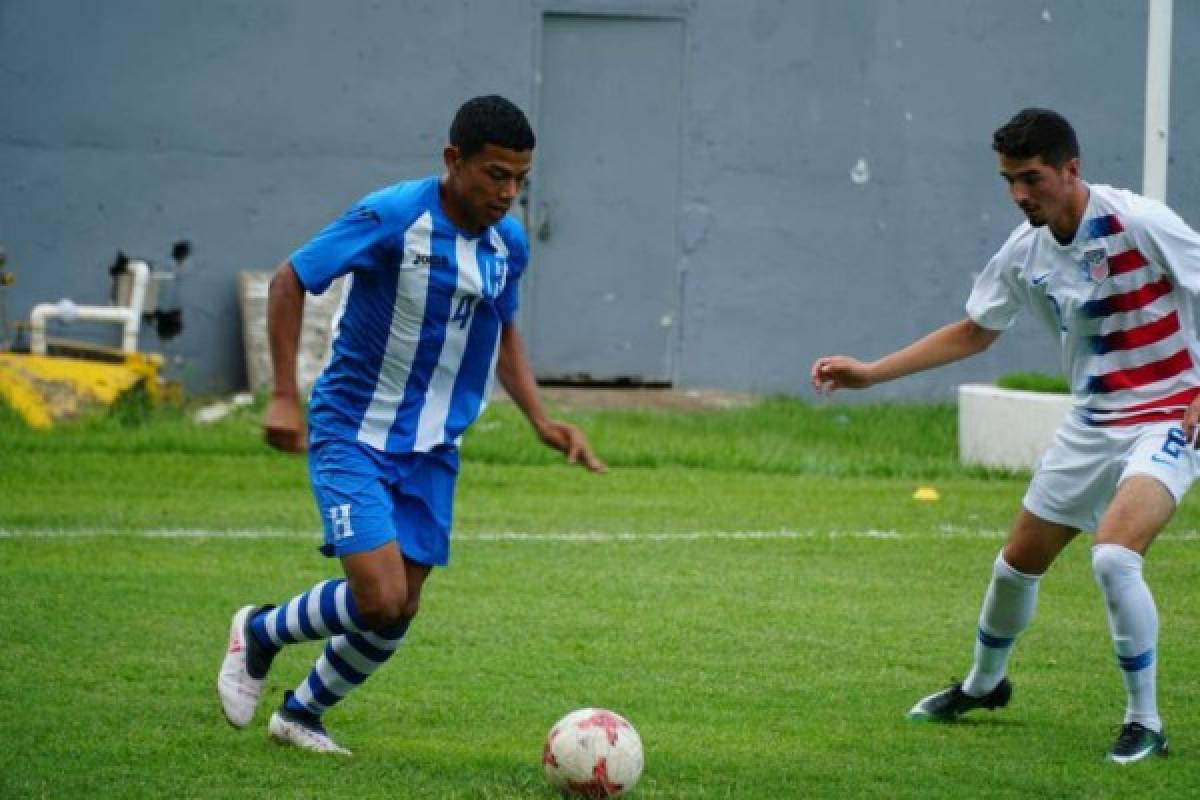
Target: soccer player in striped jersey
column 1115, row 277
column 426, row 324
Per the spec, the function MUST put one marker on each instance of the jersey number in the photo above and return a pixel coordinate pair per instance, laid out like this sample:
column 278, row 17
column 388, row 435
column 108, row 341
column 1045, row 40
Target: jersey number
column 1175, row 442
column 462, row 314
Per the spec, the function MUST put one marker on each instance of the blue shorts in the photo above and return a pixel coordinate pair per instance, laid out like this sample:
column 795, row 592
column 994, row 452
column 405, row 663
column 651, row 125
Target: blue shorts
column 367, row 498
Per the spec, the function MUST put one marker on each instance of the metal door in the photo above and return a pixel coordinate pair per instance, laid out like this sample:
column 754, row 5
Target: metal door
column 601, row 299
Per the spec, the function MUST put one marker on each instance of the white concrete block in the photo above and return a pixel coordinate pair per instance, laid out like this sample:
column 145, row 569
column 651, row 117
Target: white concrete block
column 1007, row 427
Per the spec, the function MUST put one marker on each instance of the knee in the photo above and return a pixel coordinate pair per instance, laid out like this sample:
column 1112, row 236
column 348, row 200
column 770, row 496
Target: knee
column 1111, row 563
column 1007, row 573
column 383, row 608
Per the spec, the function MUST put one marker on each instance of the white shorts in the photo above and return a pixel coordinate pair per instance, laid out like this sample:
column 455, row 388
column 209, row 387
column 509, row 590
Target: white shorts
column 1078, row 474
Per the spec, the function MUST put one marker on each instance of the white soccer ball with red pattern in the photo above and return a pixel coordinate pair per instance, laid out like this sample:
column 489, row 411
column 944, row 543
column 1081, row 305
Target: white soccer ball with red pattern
column 593, row 753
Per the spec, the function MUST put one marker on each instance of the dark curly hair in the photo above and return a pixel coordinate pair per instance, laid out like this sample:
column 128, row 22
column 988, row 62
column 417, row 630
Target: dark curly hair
column 1037, row 132
column 490, row 119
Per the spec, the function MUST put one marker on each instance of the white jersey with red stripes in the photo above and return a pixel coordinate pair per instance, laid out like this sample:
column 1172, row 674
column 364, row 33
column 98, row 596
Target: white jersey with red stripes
column 1123, row 299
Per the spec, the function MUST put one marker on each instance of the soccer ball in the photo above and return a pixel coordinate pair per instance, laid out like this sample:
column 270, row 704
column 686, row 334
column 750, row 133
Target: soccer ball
column 593, row 753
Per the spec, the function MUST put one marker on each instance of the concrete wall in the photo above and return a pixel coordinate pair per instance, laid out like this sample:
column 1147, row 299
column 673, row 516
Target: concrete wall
column 1183, row 181
column 245, row 127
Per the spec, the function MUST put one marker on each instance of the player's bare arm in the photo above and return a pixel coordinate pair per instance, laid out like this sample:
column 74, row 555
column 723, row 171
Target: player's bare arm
column 516, row 376
column 283, row 425
column 947, row 344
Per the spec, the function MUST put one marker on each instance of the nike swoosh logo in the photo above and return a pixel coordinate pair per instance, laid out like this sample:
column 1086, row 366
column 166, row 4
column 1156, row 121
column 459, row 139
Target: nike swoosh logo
column 1161, row 460
column 1040, row 279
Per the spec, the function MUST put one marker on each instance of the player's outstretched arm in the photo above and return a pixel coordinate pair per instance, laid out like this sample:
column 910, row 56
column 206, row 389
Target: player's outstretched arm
column 947, row 344
column 516, row 376
column 283, row 425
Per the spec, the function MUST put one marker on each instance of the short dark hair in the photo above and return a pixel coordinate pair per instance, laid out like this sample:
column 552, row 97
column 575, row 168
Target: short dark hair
column 1037, row 132
column 490, row 119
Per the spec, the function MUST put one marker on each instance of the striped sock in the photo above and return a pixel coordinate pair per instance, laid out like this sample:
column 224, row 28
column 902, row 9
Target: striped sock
column 325, row 610
column 346, row 662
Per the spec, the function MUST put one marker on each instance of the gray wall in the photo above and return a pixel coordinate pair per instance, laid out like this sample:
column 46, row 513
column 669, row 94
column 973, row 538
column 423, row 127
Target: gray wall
column 246, row 126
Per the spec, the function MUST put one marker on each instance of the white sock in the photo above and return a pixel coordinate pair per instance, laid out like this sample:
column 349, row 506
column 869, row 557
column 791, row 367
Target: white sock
column 1007, row 609
column 1133, row 620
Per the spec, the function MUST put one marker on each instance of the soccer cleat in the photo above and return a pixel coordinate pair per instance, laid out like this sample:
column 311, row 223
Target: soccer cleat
column 240, row 681
column 952, row 702
column 1136, row 742
column 302, row 730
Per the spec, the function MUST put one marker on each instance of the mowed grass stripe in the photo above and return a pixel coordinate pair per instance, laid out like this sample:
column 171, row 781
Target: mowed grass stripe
column 1176, row 536
column 497, row 536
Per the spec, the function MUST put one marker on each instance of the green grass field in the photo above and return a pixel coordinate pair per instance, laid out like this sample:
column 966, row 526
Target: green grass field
column 755, row 589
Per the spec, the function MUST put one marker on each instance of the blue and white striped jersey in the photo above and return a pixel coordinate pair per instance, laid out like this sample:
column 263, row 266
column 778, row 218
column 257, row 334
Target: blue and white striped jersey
column 416, row 338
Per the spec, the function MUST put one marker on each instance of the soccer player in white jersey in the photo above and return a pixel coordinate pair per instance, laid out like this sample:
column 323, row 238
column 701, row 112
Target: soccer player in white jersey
column 426, row 323
column 1116, row 279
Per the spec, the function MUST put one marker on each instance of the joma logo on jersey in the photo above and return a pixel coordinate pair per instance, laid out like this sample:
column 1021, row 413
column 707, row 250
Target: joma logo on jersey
column 339, row 522
column 431, row 259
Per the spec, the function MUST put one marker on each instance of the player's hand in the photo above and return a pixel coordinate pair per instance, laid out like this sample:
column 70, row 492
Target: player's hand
column 830, row 373
column 1191, row 422
column 566, row 438
column 283, row 424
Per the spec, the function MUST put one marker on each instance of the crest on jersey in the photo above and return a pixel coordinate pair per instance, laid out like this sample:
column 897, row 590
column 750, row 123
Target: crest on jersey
column 1095, row 265
column 495, row 274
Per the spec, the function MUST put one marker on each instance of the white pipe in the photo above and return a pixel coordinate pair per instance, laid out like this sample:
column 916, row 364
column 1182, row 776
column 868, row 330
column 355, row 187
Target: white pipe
column 129, row 317
column 1158, row 98
column 137, row 302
